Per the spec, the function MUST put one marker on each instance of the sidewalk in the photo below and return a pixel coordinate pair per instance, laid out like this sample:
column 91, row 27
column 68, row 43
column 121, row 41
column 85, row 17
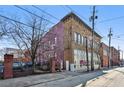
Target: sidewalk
column 114, row 78
column 60, row 79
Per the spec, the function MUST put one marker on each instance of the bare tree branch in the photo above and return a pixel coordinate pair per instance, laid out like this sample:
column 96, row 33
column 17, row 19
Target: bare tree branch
column 28, row 39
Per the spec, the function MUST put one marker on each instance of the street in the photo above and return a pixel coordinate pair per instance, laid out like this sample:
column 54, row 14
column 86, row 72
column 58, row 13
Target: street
column 114, row 78
column 60, row 79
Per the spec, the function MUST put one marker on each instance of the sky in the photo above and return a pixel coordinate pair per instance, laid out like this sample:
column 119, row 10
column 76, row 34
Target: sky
column 108, row 17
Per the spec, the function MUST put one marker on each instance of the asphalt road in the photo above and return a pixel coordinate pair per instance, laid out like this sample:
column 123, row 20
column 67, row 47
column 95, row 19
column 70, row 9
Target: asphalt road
column 60, row 79
column 109, row 77
column 114, row 78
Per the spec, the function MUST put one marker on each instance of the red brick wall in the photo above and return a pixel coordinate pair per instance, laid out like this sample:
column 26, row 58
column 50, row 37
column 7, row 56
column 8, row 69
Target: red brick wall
column 114, row 55
column 104, row 58
column 8, row 70
column 105, row 61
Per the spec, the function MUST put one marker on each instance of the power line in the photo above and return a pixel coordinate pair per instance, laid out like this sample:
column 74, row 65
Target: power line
column 111, row 19
column 118, row 39
column 45, row 12
column 16, row 21
column 65, row 8
column 118, row 36
column 69, row 8
column 33, row 13
column 75, row 12
column 115, row 38
column 19, row 22
column 7, row 43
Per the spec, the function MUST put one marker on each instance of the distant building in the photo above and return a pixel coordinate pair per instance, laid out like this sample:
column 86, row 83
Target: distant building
column 104, row 55
column 19, row 55
column 27, row 57
column 115, row 57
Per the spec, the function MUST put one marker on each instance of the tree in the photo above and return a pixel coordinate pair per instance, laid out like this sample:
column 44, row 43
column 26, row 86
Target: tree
column 96, row 51
column 1, row 34
column 27, row 37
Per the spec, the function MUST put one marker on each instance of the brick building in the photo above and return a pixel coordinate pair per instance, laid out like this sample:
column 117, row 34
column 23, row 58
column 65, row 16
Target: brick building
column 104, row 55
column 52, row 45
column 18, row 55
column 115, row 57
column 75, row 34
column 70, row 35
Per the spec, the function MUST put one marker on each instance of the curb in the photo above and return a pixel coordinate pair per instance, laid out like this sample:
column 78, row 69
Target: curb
column 90, row 81
column 79, row 85
column 86, row 83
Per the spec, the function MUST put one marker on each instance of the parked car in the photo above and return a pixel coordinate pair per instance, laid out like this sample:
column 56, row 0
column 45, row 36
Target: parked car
column 24, row 65
column 1, row 64
column 1, row 70
column 29, row 64
column 18, row 66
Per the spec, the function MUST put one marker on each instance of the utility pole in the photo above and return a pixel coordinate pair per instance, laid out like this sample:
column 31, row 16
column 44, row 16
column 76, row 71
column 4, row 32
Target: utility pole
column 118, row 54
column 109, row 35
column 93, row 17
column 122, row 55
column 87, row 55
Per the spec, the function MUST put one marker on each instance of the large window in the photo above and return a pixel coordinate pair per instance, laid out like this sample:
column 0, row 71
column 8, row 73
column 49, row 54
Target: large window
column 76, row 37
column 89, row 43
column 82, row 40
column 96, row 58
column 95, row 45
column 79, row 55
column 79, row 38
